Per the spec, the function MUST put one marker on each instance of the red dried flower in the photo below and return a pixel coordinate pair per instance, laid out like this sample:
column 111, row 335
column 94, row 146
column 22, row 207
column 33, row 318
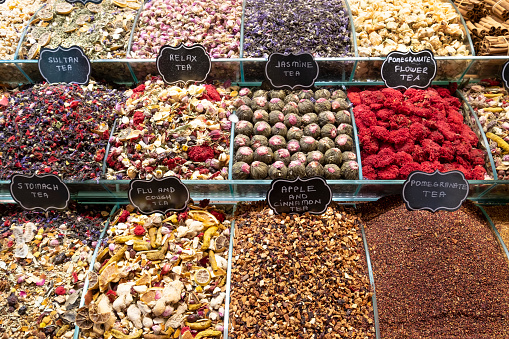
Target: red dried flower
column 139, row 230
column 60, row 290
column 211, row 93
column 112, row 295
column 139, row 89
column 200, row 153
column 123, row 216
column 219, row 215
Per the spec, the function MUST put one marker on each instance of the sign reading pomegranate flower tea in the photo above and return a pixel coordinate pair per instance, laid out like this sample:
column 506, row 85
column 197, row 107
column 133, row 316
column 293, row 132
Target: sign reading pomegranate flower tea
column 409, row 69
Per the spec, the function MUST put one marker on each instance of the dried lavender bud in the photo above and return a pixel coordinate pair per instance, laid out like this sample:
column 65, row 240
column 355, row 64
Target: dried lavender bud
column 315, row 156
column 314, row 169
column 241, row 140
column 259, row 170
column 262, row 128
column 276, row 142
column 280, row 129
column 294, row 133
column 308, row 144
column 292, row 119
column 326, row 117
column 259, row 103
column 343, row 117
column 292, row 97
column 338, row 94
column 312, row 130
column 350, row 170
column 345, row 129
column 322, row 93
column 264, row 154
column 329, row 131
column 260, row 93
column 293, row 146
column 296, row 169
column 309, row 118
column 332, row 172
column 333, row 156
column 305, row 106
column 244, row 113
column 322, row 105
column 240, row 171
column 344, row 142
column 277, row 170
column 282, row 155
column 348, row 156
column 260, row 115
column 244, row 154
column 242, row 101
column 276, row 104
column 301, row 157
column 339, row 105
column 291, row 107
column 324, row 144
column 277, row 93
column 244, row 127
column 305, row 94
column 258, row 141
column 275, row 117
column 246, row 92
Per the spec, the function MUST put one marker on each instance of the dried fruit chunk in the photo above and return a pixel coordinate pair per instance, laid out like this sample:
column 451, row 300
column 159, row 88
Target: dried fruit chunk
column 202, row 277
column 83, row 19
column 120, row 3
column 44, row 39
column 64, row 8
column 94, row 8
column 83, row 319
column 205, row 217
column 221, row 243
column 133, row 5
column 45, row 14
column 95, row 316
column 93, row 280
column 33, row 52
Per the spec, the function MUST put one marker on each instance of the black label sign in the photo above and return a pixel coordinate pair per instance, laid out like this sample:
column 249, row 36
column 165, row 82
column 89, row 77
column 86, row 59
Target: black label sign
column 435, row 191
column 85, row 1
column 183, row 63
column 410, row 69
column 505, row 74
column 67, row 65
column 39, row 192
column 2, row 1
column 291, row 70
column 299, row 196
column 158, row 195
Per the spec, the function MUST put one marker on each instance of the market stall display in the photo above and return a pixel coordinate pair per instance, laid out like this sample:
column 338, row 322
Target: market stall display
column 300, row 276
column 44, row 257
column 415, row 130
column 499, row 216
column 171, row 130
column 160, row 276
column 435, row 273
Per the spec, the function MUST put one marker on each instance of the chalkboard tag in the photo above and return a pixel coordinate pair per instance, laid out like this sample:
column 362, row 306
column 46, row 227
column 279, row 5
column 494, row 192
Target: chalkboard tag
column 291, row 70
column 183, row 63
column 67, row 65
column 505, row 74
column 435, row 191
column 409, row 69
column 158, row 195
column 85, row 1
column 299, row 196
column 43, row 192
column 2, row 1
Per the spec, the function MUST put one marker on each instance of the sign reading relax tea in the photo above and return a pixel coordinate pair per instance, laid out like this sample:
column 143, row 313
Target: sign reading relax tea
column 291, row 70
column 435, row 191
column 299, row 196
column 409, row 69
column 158, row 195
column 67, row 65
column 39, row 192
column 183, row 64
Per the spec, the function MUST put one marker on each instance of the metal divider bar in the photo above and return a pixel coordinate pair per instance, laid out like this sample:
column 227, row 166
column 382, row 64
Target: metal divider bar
column 226, row 318
column 495, row 231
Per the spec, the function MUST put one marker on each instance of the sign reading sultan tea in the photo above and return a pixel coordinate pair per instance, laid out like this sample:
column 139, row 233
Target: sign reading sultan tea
column 410, row 69
column 67, row 65
column 183, row 64
column 158, row 195
column 299, row 196
column 291, row 70
column 39, row 192
column 435, row 191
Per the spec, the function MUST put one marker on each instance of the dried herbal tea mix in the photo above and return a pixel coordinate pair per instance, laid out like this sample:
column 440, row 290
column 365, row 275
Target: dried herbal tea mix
column 172, row 130
column 437, row 275
column 298, row 276
column 57, row 129
column 101, row 30
column 160, row 276
column 44, row 257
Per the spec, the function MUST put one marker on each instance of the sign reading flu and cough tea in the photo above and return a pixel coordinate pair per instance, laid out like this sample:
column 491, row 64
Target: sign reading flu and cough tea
column 435, row 191
column 42, row 192
column 67, row 65
column 299, row 196
column 291, row 70
column 409, row 69
column 183, row 64
column 158, row 195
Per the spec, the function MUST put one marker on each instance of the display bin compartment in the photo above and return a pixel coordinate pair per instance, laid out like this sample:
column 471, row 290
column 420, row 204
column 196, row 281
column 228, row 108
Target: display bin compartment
column 11, row 74
column 485, row 67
